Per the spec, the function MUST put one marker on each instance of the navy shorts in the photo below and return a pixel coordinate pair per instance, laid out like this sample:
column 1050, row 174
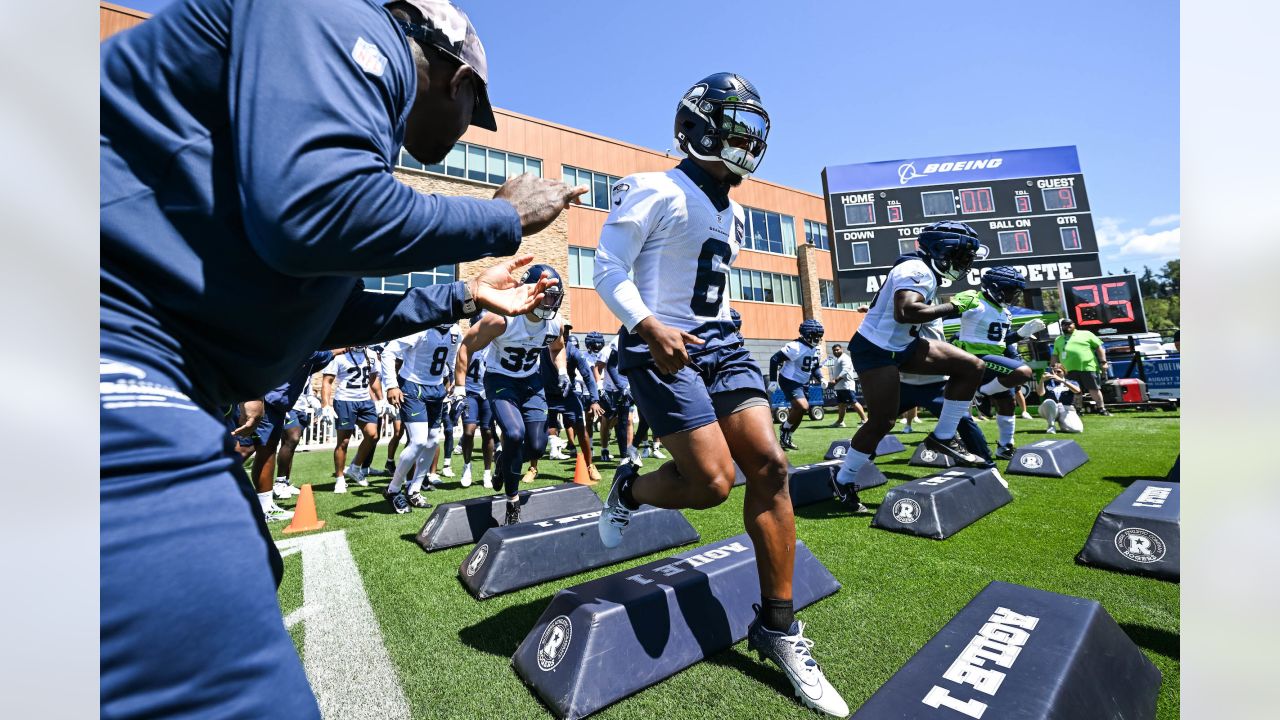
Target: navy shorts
column 846, row 397
column 615, row 403
column 260, row 434
column 351, row 412
column 296, row 418
column 569, row 407
column 999, row 366
column 525, row 393
column 866, row 355
column 210, row 575
column 422, row 403
column 680, row 402
column 791, row 389
column 477, row 412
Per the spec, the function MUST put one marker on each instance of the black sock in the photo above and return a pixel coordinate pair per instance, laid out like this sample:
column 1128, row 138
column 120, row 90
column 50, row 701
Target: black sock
column 777, row 615
column 624, row 492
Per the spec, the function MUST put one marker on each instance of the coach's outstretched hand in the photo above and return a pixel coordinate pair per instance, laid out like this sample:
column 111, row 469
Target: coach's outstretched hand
column 499, row 289
column 666, row 344
column 538, row 200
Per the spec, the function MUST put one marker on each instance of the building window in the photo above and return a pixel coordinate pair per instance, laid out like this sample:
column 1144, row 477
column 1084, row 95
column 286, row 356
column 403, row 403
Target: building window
column 769, row 232
column 474, row 162
column 816, row 235
column 401, row 283
column 582, row 266
column 764, row 287
column 827, row 296
column 599, row 186
column 861, row 253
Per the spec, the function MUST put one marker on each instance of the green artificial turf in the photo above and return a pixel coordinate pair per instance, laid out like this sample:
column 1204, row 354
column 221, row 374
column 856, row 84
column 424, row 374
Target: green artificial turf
column 453, row 653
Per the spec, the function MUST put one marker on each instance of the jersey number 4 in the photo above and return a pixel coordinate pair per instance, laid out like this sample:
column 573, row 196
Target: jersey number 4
column 713, row 277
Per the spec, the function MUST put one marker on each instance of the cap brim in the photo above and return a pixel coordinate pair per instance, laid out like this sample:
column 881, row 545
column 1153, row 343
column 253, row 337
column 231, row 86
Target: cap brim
column 482, row 115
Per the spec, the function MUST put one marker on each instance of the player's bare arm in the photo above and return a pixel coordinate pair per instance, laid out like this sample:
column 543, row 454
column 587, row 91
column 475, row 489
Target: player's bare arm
column 910, row 308
column 666, row 344
column 477, row 338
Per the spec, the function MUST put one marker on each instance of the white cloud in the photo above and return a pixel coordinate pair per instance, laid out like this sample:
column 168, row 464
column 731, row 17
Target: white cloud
column 1135, row 246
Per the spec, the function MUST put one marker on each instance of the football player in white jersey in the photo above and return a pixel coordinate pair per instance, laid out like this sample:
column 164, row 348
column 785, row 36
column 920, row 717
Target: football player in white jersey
column 513, row 381
column 793, row 367
column 888, row 342
column 985, row 331
column 477, row 415
column 418, row 390
column 663, row 268
column 349, row 394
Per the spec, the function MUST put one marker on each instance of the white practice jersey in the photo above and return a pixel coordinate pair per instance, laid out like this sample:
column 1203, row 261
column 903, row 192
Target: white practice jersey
column 303, row 403
column 477, row 363
column 984, row 327
column 606, row 380
column 931, row 330
column 427, row 357
column 516, row 351
column 353, row 371
column 665, row 232
column 801, row 361
column 879, row 326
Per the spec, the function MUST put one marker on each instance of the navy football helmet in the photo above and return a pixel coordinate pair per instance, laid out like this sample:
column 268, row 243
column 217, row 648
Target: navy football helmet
column 554, row 295
column 722, row 119
column 811, row 332
column 1003, row 284
column 594, row 341
column 737, row 320
column 951, row 246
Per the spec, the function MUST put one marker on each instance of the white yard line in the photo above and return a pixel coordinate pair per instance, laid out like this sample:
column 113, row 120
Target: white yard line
column 348, row 666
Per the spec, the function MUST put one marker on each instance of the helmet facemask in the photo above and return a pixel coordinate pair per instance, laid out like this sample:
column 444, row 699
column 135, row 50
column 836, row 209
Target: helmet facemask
column 740, row 138
column 550, row 304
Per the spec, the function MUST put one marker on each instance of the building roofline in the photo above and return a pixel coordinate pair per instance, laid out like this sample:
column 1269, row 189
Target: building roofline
column 124, row 10
column 639, row 148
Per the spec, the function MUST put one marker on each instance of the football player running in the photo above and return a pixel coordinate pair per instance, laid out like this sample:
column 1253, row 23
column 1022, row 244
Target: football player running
column 793, row 368
column 513, row 381
column 352, row 403
column 418, row 390
column 985, row 323
column 888, row 342
column 703, row 395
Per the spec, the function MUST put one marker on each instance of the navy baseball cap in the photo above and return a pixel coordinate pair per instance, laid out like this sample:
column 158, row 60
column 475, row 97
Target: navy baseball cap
column 448, row 29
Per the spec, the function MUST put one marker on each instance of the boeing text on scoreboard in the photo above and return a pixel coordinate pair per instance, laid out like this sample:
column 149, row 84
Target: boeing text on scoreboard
column 1029, row 207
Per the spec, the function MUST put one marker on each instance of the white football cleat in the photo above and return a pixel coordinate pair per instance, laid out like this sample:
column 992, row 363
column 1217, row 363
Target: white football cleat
column 275, row 513
column 433, row 479
column 487, row 480
column 284, row 490
column 446, row 471
column 791, row 652
column 466, row 476
column 340, row 485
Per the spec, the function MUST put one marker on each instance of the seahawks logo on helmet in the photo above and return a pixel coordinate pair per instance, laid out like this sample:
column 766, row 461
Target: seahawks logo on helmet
column 722, row 119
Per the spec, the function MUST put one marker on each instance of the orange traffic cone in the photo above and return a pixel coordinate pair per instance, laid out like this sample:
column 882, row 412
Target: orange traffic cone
column 304, row 513
column 580, row 475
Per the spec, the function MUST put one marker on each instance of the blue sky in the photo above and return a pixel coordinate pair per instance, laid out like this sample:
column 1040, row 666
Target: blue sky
column 858, row 81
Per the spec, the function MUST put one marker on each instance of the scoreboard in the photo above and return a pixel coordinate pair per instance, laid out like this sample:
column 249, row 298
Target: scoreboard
column 1105, row 305
column 1029, row 208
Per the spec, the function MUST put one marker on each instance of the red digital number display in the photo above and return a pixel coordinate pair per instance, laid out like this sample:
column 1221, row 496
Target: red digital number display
column 976, row 200
column 895, row 213
column 1106, row 304
column 1015, row 242
column 1023, row 203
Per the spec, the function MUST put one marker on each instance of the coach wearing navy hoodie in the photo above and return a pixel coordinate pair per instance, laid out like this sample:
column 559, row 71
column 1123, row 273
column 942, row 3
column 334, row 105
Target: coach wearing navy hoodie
column 247, row 149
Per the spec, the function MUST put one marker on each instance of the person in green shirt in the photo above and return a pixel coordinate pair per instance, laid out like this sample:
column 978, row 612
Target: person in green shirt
column 1083, row 356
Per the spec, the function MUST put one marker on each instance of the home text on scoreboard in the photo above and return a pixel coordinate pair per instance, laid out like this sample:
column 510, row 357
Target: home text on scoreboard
column 1029, row 208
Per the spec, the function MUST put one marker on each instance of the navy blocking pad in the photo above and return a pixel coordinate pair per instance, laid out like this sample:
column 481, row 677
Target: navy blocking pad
column 941, row 505
column 1047, row 458
column 598, row 642
column 508, row 558
column 465, row 521
column 1019, row 652
column 1139, row 532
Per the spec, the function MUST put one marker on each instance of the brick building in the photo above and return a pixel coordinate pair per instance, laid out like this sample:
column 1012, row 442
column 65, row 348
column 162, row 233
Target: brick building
column 782, row 276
